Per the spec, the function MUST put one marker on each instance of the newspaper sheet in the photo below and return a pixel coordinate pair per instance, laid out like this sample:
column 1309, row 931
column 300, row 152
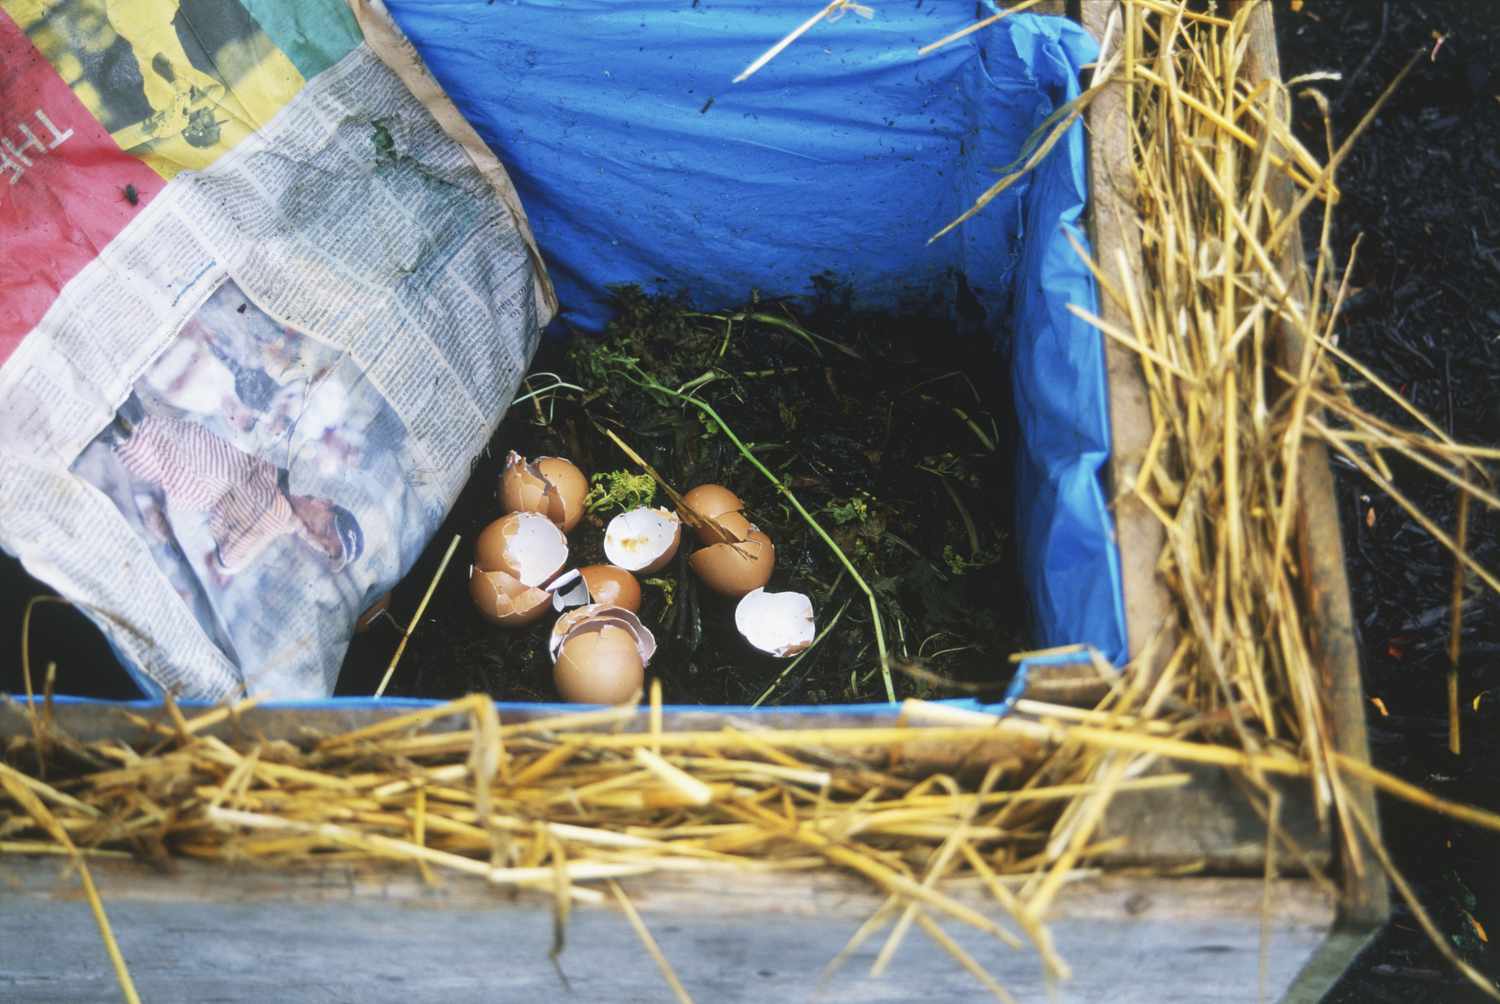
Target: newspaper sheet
column 259, row 313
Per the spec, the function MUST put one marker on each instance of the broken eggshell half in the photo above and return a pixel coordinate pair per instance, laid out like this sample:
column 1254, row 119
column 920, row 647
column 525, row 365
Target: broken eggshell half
column 551, row 486
column 734, row 569
column 525, row 545
column 778, row 623
column 505, row 600
column 600, row 663
column 576, row 618
column 642, row 540
column 723, row 511
column 606, row 584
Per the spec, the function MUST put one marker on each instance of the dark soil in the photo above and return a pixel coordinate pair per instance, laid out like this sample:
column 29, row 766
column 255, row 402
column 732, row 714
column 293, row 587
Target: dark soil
column 902, row 453
column 1423, row 188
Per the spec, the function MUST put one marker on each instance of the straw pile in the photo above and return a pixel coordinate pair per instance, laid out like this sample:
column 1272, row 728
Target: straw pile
column 1242, row 369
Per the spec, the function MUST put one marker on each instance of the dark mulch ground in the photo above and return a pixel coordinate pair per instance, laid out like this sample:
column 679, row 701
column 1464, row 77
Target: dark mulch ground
column 903, row 454
column 1423, row 188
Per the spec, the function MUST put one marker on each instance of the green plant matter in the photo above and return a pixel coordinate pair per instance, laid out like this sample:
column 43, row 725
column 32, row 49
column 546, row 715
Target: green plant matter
column 855, row 509
column 668, row 589
column 959, row 565
column 619, row 491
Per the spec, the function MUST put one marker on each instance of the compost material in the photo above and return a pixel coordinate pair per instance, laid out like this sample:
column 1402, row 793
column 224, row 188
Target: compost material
column 1421, row 188
column 891, row 431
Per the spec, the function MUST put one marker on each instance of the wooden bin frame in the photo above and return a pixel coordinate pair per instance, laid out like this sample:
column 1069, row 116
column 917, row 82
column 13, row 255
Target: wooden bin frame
column 345, row 932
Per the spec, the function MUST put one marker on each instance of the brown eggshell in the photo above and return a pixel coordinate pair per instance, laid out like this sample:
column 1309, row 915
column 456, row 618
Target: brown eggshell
column 574, row 619
column 614, row 587
column 372, row 614
column 505, row 600
column 736, row 569
column 551, row 486
column 566, row 489
column 599, row 664
column 525, row 545
column 521, row 486
column 721, row 507
column 726, row 528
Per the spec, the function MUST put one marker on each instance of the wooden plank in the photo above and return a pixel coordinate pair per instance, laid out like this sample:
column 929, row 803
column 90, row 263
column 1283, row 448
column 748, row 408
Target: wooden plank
column 1115, row 236
column 1326, row 966
column 107, row 720
column 360, row 934
column 1212, row 825
column 1321, row 548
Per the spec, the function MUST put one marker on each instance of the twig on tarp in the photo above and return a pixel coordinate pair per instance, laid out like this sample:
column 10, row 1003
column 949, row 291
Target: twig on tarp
column 833, row 11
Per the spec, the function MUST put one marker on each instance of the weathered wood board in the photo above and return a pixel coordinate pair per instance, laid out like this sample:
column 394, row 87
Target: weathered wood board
column 207, row 934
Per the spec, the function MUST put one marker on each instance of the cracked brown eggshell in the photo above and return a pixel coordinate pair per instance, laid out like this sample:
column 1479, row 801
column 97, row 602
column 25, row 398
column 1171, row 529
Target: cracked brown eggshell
column 612, row 586
column 503, row 599
column 575, row 618
column 525, row 545
column 720, row 505
column 599, row 664
column 735, row 569
column 551, row 486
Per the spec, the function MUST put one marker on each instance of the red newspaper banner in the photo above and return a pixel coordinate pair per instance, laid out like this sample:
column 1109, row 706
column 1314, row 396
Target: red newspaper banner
column 66, row 187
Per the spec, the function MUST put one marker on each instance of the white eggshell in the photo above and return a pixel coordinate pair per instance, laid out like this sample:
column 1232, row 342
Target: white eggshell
column 568, row 590
column 526, row 545
column 778, row 623
column 642, row 540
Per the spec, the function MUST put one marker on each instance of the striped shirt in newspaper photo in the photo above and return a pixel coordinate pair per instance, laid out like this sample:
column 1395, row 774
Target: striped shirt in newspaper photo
column 245, row 497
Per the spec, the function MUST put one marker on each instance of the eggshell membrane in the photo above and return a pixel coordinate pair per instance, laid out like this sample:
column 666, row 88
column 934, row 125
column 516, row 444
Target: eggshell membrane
column 525, row 545
column 723, row 508
column 780, row 624
column 642, row 540
column 505, row 600
column 551, row 486
column 614, row 587
column 576, row 618
column 521, row 486
column 735, row 569
column 568, row 590
column 599, row 664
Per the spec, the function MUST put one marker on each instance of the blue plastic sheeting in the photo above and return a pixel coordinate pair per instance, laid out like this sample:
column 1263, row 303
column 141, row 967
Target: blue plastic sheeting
column 638, row 161
column 515, row 707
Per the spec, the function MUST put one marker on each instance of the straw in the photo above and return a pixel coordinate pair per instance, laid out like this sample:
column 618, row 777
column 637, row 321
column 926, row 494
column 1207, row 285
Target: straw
column 980, row 25
column 835, row 7
column 416, row 618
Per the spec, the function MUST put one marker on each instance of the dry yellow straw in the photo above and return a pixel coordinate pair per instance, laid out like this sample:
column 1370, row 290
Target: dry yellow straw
column 652, row 948
column 834, row 7
column 1455, row 629
column 11, row 781
column 976, row 26
column 416, row 618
